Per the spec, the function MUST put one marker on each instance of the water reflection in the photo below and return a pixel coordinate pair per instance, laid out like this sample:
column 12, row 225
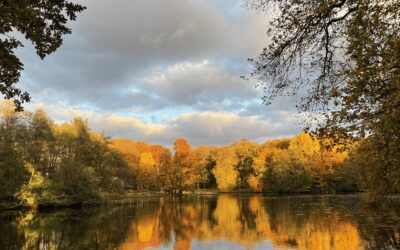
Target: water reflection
column 223, row 222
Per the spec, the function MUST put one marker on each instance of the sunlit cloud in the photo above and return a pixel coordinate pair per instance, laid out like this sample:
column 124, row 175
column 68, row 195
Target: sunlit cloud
column 208, row 128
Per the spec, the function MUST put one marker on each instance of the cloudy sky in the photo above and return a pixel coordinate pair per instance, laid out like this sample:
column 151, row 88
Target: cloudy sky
column 158, row 70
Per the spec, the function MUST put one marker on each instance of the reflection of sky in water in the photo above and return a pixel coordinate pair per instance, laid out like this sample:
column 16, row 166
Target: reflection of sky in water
column 227, row 245
column 214, row 245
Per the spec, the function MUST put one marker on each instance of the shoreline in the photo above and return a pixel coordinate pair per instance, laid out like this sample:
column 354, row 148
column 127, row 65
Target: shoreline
column 127, row 198
column 116, row 199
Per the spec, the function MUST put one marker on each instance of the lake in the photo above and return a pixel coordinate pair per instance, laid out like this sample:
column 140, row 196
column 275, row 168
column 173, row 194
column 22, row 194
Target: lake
column 210, row 222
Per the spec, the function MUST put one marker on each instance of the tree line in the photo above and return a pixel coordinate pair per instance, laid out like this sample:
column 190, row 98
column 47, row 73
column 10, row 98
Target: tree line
column 296, row 165
column 48, row 164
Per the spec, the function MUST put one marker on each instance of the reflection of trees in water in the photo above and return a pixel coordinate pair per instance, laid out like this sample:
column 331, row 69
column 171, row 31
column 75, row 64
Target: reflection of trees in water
column 304, row 223
column 80, row 229
column 9, row 233
column 380, row 227
column 335, row 222
column 308, row 222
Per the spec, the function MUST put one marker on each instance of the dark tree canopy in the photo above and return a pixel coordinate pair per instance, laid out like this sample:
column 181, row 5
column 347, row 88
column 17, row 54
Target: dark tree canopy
column 344, row 54
column 43, row 22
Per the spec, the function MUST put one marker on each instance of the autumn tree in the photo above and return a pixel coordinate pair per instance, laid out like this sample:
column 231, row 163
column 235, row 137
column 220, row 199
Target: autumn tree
column 143, row 161
column 44, row 23
column 225, row 171
column 181, row 148
column 302, row 164
column 159, row 153
column 245, row 152
column 203, row 164
column 282, row 172
column 345, row 55
column 131, row 156
column 147, row 176
column 184, row 160
column 125, row 146
column 167, row 178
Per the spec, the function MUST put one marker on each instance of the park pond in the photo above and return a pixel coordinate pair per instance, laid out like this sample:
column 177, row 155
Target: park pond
column 222, row 221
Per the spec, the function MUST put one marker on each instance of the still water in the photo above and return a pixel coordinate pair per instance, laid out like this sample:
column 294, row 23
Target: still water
column 210, row 222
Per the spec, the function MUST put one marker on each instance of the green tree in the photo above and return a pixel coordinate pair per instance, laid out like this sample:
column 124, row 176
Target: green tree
column 13, row 173
column 43, row 23
column 79, row 169
column 379, row 171
column 40, row 148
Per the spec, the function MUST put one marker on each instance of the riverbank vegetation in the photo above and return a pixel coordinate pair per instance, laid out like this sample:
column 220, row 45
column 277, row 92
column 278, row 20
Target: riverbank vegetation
column 48, row 164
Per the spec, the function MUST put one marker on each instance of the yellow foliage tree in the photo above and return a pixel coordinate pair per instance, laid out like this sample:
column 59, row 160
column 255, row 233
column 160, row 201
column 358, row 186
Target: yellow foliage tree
column 225, row 171
column 255, row 183
column 147, row 170
column 305, row 149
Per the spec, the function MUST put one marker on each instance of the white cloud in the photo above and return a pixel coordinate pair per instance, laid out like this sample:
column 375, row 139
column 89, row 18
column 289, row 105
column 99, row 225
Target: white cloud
column 191, row 83
column 218, row 128
column 208, row 128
